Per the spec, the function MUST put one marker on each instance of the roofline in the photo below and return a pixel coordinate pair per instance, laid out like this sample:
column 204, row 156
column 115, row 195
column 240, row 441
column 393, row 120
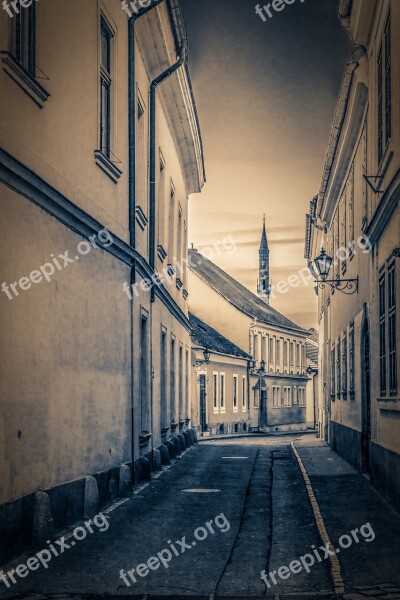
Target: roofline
column 181, row 39
column 247, row 357
column 280, row 327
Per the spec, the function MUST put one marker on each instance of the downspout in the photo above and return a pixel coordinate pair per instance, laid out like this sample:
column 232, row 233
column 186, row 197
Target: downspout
column 152, row 183
column 131, row 185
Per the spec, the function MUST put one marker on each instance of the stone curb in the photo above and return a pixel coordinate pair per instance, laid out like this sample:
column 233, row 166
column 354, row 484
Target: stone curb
column 334, row 561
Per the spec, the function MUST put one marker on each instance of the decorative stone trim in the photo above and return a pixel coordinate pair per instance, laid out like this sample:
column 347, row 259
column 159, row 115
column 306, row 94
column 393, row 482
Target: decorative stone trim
column 141, row 218
column 161, row 253
column 23, row 79
column 108, row 167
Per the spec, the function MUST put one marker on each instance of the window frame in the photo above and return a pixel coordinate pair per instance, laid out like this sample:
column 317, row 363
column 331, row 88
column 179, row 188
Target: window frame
column 244, row 393
column 222, row 392
column 276, row 397
column 215, row 395
column 235, row 389
column 391, row 328
column 382, row 334
column 106, row 84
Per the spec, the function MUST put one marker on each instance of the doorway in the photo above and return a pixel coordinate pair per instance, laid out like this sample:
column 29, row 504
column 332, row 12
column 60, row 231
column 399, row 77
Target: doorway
column 203, row 394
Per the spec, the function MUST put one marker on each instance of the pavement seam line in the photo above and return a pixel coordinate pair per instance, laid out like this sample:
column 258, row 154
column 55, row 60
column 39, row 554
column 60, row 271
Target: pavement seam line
column 334, row 561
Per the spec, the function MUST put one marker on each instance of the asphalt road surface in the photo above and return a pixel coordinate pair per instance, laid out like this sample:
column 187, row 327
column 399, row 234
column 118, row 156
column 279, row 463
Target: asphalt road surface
column 207, row 527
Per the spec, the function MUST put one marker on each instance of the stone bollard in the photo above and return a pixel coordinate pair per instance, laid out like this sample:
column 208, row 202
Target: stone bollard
column 112, row 488
column 125, row 482
column 157, row 465
column 190, row 432
column 164, row 453
column 144, row 470
column 43, row 526
column 171, row 449
column 177, row 445
column 194, row 435
column 91, row 502
column 183, row 442
column 188, row 441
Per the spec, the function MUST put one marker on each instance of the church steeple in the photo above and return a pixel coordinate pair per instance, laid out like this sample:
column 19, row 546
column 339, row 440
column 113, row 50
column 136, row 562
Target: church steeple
column 263, row 286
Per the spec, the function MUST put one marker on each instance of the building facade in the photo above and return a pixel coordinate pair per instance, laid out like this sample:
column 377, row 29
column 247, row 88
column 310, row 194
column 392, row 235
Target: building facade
column 356, row 217
column 278, row 377
column 220, row 394
column 100, row 150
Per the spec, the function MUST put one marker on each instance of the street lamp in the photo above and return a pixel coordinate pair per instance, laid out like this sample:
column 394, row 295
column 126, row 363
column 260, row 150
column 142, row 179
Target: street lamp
column 261, row 408
column 323, row 263
column 206, row 354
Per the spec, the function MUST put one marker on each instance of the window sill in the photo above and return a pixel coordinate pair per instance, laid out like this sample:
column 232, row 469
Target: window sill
column 107, row 166
column 389, row 404
column 161, row 253
column 23, row 79
column 141, row 218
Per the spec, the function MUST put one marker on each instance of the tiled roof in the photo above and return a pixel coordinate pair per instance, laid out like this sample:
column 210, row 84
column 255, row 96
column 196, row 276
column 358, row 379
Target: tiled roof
column 207, row 337
column 237, row 294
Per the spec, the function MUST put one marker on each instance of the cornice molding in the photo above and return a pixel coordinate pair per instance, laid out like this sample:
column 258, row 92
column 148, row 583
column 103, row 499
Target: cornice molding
column 25, row 182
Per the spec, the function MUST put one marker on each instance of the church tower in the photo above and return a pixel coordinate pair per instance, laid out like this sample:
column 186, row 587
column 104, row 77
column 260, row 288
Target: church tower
column 263, row 286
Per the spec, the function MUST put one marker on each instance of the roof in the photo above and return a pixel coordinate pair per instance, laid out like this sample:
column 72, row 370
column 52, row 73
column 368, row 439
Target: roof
column 238, row 295
column 207, row 337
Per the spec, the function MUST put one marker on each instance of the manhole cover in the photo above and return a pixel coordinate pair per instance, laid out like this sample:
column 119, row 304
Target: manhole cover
column 201, row 491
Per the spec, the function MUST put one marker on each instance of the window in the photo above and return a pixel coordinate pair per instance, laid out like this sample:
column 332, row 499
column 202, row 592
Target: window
column 141, row 158
column 235, row 393
column 278, row 354
column 302, row 397
column 222, row 391
column 286, row 356
column 382, row 334
column 392, row 330
column 276, row 396
column 338, row 369
column 106, row 36
column 295, row 394
column 171, row 224
column 187, row 392
column 298, row 362
column 350, row 210
column 291, row 355
column 287, row 396
column 344, row 367
column 384, row 74
column 388, row 82
column 215, row 392
column 22, row 38
column 380, row 107
column 351, row 361
column 244, row 394
column 332, row 391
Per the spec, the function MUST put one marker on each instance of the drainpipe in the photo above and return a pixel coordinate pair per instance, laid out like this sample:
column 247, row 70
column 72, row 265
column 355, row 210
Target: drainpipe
column 132, row 174
column 152, row 187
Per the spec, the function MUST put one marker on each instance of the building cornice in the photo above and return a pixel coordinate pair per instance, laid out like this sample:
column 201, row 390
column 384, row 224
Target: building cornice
column 158, row 48
column 25, row 182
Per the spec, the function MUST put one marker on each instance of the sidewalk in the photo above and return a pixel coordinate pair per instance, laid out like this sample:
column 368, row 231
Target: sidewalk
column 347, row 501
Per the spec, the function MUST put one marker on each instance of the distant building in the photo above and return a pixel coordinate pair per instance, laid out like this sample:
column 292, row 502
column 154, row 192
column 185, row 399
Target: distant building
column 277, row 394
column 220, row 385
column 356, row 217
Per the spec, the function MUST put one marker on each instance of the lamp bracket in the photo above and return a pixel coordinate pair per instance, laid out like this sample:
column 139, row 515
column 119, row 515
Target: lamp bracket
column 368, row 179
column 347, row 286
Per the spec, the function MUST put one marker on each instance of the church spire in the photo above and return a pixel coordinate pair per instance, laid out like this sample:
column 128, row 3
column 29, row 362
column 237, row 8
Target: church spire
column 263, row 286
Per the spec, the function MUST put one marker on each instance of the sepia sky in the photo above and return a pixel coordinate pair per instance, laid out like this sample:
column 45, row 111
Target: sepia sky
column 266, row 95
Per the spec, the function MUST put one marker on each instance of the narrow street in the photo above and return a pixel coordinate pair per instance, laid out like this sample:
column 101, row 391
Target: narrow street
column 267, row 522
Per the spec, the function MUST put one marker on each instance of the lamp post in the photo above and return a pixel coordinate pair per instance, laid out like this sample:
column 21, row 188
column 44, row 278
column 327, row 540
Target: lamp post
column 260, row 373
column 323, row 263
